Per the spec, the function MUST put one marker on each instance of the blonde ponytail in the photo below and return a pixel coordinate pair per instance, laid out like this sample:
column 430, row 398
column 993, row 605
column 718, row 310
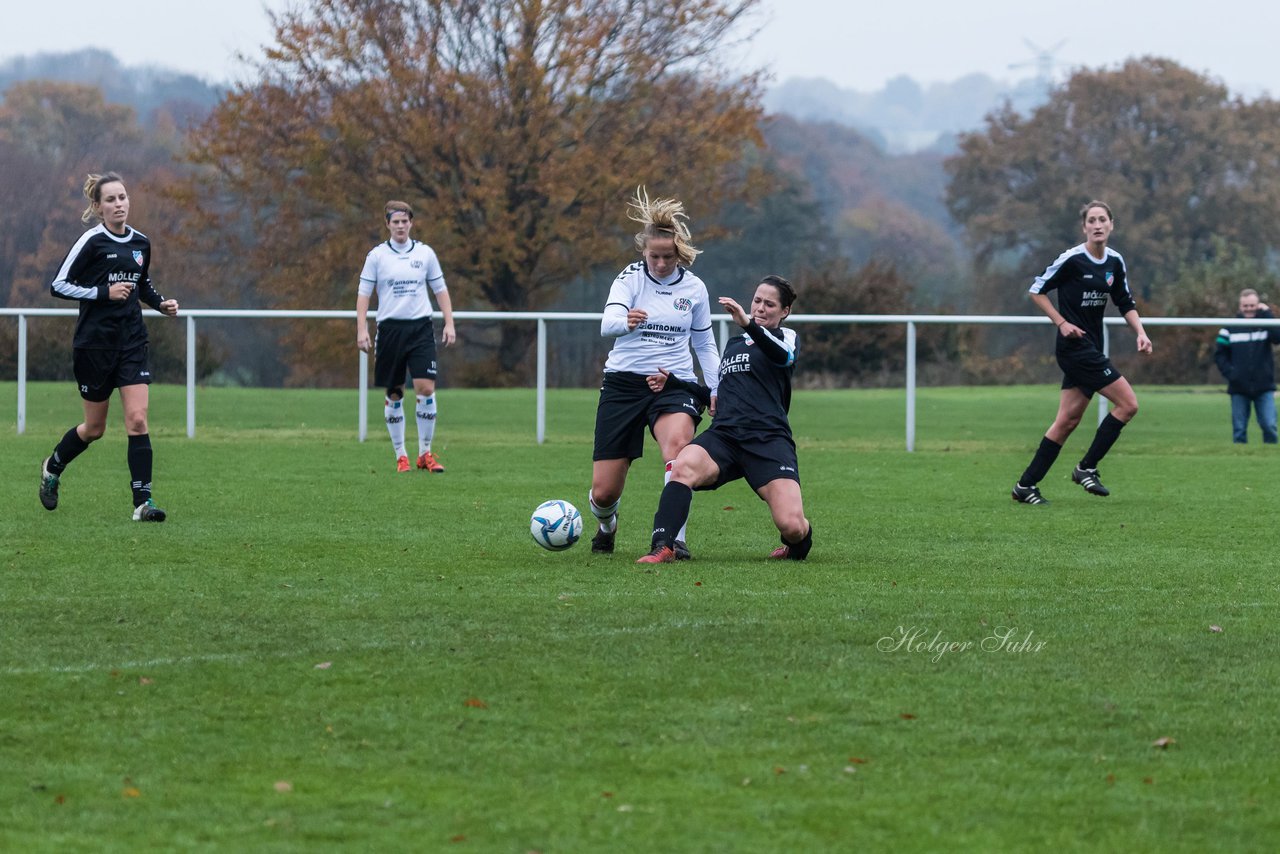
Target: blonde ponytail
column 662, row 218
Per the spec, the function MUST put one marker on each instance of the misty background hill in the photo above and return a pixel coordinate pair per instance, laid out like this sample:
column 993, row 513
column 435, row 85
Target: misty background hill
column 904, row 116
column 149, row 90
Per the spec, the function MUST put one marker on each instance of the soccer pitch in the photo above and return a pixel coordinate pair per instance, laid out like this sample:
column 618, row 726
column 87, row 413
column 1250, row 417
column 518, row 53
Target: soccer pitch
column 317, row 653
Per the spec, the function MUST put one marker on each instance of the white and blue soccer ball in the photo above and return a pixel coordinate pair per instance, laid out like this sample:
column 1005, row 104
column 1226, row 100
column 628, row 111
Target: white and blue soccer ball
column 556, row 525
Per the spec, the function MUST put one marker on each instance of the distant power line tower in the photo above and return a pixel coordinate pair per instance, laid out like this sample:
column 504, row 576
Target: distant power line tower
column 1045, row 61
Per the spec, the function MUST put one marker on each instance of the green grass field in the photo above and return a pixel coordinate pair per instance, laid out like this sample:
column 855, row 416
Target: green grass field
column 316, row 653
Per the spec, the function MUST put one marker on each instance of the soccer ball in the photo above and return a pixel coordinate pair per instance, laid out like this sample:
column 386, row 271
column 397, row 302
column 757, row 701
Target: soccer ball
column 556, row 525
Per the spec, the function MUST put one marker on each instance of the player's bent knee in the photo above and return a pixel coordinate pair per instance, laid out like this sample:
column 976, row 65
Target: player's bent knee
column 94, row 433
column 793, row 527
column 682, row 471
column 605, row 496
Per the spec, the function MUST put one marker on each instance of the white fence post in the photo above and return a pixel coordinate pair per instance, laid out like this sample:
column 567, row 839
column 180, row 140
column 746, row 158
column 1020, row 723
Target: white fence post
column 541, row 414
column 191, row 377
column 362, row 411
column 22, row 374
column 912, row 321
column 1106, row 351
column 911, row 387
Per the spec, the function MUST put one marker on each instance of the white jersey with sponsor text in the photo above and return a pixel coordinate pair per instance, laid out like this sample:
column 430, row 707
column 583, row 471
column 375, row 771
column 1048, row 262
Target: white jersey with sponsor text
column 679, row 314
column 402, row 275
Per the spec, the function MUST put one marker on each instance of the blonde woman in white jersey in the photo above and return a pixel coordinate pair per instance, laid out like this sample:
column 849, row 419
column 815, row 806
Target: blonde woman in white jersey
column 402, row 270
column 656, row 310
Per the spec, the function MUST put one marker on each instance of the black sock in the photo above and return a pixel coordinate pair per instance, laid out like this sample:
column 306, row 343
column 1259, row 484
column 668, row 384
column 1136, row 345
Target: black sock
column 800, row 550
column 140, row 467
column 673, row 512
column 1108, row 432
column 1041, row 462
column 67, row 450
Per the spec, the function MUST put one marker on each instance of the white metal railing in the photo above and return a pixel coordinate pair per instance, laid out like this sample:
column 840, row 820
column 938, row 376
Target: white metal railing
column 911, row 321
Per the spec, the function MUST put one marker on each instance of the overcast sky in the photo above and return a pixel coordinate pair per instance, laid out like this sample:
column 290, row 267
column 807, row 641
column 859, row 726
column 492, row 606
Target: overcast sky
column 854, row 43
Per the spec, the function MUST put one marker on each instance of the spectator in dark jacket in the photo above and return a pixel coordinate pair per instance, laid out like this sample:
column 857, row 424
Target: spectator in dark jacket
column 1244, row 356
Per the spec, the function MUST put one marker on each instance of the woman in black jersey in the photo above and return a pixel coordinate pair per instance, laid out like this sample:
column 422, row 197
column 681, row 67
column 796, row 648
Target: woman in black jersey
column 1085, row 277
column 108, row 272
column 750, row 436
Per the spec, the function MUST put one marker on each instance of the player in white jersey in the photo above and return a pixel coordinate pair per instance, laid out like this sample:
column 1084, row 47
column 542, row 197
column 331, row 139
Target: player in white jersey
column 401, row 270
column 656, row 310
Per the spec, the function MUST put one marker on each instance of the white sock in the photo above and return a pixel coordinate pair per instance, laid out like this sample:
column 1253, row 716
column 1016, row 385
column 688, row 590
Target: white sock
column 666, row 478
column 606, row 516
column 426, row 422
column 393, row 411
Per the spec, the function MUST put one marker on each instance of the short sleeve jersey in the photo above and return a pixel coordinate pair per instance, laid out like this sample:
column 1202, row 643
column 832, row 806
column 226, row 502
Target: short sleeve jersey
column 98, row 260
column 755, row 385
column 402, row 276
column 675, row 311
column 1084, row 284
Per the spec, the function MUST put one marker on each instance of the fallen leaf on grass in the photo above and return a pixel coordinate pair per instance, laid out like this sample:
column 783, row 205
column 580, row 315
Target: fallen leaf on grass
column 907, row 716
column 475, row 703
column 857, row 760
column 697, row 584
column 606, row 794
column 283, row 786
column 779, row 770
column 1216, row 629
column 130, row 792
column 324, row 665
column 1163, row 742
column 458, row 838
column 146, row 680
column 60, row 800
column 730, row 507
column 1149, row 781
column 1111, row 779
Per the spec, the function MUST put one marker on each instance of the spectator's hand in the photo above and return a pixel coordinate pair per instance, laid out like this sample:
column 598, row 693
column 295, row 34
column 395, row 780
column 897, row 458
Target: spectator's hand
column 169, row 307
column 635, row 317
column 657, row 382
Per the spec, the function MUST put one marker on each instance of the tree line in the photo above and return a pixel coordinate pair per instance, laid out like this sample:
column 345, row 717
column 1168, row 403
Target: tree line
column 517, row 130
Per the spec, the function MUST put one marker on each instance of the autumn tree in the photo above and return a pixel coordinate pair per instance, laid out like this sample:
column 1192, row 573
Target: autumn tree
column 51, row 135
column 1186, row 167
column 515, row 127
column 883, row 209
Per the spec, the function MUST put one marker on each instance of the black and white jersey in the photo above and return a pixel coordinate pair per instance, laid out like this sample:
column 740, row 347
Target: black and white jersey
column 755, row 382
column 98, row 260
column 402, row 274
column 1084, row 284
column 679, row 314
